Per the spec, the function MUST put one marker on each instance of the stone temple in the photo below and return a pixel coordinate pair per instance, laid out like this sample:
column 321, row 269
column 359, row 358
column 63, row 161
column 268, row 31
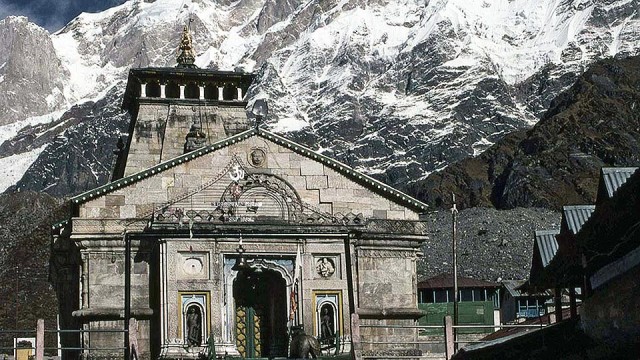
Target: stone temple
column 217, row 234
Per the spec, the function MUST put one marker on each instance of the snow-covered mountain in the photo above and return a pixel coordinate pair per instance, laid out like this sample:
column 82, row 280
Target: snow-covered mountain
column 396, row 88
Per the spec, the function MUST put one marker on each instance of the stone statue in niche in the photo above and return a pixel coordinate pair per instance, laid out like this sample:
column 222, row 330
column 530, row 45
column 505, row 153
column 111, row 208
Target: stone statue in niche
column 326, row 325
column 325, row 267
column 194, row 326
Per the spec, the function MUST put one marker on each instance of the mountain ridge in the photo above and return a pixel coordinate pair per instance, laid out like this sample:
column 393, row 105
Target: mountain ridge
column 396, row 89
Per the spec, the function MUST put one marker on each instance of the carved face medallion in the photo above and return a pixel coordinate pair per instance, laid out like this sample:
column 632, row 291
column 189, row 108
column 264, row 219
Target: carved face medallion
column 257, row 158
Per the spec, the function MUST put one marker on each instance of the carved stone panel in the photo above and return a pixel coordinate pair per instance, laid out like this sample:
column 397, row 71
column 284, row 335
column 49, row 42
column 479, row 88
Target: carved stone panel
column 193, row 265
column 326, row 267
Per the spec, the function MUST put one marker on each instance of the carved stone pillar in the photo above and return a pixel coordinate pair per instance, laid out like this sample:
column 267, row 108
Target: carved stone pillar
column 85, row 281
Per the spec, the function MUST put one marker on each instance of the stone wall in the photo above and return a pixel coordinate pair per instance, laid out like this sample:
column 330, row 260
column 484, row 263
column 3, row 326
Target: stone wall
column 102, row 288
column 388, row 300
column 387, row 279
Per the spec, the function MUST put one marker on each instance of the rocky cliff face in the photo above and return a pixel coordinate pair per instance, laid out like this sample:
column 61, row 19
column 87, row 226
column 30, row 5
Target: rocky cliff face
column 397, row 89
column 31, row 74
column 593, row 124
column 78, row 147
column 491, row 244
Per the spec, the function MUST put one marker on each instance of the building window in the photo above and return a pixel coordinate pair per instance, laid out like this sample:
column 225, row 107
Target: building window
column 479, row 295
column 466, row 295
column 530, row 308
column 442, row 296
column 211, row 92
column 191, row 91
column 172, row 91
column 153, row 89
column 426, row 296
column 496, row 299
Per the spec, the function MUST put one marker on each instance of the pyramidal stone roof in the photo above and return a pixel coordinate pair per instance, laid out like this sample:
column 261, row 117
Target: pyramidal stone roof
column 365, row 180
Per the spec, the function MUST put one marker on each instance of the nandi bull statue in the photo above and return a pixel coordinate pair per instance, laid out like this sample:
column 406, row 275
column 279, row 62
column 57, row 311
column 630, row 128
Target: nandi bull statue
column 303, row 346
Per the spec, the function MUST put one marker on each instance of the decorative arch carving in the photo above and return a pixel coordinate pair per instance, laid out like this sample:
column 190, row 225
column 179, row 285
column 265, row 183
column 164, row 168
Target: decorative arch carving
column 245, row 191
column 264, row 196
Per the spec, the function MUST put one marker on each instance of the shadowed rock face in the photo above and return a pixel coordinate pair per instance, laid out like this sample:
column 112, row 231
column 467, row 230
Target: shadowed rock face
column 25, row 228
column 593, row 124
column 491, row 244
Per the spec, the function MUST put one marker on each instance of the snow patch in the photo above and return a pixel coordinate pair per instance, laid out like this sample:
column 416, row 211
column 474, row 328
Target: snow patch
column 12, row 168
column 11, row 130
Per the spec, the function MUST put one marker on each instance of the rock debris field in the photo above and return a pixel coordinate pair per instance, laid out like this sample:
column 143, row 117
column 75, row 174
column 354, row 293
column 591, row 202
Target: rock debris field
column 492, row 244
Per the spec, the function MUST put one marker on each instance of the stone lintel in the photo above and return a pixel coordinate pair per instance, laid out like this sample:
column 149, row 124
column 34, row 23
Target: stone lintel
column 107, row 227
column 251, row 229
column 117, row 313
column 389, row 313
column 100, row 244
column 388, row 243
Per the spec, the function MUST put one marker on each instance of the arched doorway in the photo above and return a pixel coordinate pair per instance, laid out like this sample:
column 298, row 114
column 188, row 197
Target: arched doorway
column 261, row 314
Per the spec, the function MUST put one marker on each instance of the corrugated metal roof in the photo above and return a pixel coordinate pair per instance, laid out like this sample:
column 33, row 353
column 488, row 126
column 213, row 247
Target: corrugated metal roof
column 445, row 281
column 614, row 177
column 512, row 287
column 576, row 216
column 547, row 245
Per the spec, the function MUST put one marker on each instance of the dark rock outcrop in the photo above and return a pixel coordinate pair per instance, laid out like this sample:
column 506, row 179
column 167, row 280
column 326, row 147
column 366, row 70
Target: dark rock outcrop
column 25, row 228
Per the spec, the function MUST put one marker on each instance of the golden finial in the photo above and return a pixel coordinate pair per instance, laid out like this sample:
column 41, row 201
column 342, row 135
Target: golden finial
column 187, row 55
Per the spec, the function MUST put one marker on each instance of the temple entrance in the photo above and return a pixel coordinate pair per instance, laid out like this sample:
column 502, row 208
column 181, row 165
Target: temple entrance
column 261, row 314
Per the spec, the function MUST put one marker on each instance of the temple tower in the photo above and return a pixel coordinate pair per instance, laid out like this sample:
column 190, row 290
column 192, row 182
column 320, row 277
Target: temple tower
column 175, row 110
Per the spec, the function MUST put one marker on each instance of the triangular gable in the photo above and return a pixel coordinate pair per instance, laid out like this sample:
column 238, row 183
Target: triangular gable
column 611, row 178
column 345, row 170
column 245, row 192
column 546, row 245
column 576, row 215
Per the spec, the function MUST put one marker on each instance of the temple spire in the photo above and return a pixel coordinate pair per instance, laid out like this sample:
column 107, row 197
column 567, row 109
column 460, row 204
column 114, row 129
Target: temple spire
column 187, row 55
